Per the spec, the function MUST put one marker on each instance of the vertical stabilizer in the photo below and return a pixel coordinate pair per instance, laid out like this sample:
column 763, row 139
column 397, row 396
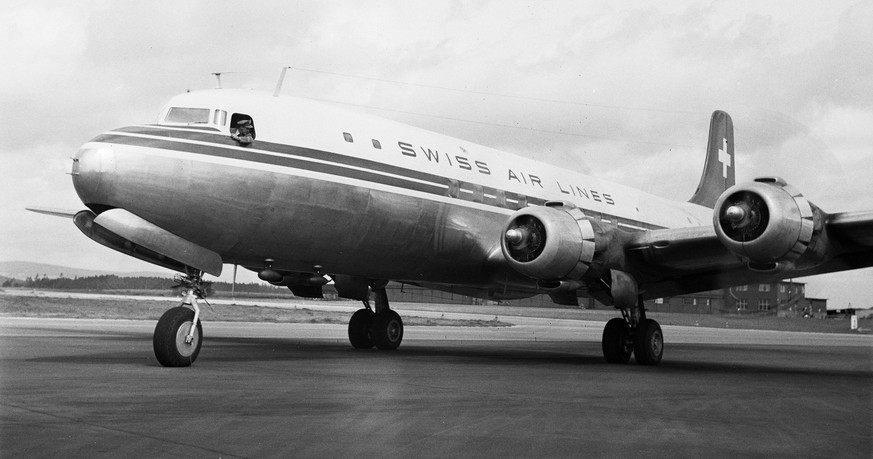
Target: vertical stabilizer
column 718, row 170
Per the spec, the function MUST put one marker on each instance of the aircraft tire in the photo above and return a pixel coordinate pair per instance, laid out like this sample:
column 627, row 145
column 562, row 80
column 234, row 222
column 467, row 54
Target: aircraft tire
column 648, row 343
column 169, row 343
column 387, row 330
column 615, row 337
column 361, row 329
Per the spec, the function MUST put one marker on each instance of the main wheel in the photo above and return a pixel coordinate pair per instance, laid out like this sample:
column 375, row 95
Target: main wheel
column 387, row 330
column 616, row 342
column 361, row 329
column 169, row 338
column 648, row 343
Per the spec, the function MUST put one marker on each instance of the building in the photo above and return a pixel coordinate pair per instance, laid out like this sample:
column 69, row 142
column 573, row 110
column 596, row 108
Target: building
column 781, row 298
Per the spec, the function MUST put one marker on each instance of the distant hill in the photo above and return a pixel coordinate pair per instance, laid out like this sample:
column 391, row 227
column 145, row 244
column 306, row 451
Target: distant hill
column 23, row 269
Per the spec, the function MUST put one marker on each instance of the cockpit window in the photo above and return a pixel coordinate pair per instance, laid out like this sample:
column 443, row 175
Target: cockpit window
column 188, row 115
column 220, row 118
column 239, row 119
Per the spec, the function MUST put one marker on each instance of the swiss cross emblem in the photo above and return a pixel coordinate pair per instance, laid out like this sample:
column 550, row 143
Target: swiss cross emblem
column 724, row 158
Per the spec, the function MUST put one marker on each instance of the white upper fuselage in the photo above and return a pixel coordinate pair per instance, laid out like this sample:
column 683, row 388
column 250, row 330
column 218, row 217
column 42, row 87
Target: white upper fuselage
column 319, row 126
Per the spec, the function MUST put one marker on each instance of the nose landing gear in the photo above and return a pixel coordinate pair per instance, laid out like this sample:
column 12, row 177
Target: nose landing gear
column 178, row 334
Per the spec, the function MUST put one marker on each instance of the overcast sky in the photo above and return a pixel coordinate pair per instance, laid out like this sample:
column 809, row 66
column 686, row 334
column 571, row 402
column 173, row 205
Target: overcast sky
column 621, row 90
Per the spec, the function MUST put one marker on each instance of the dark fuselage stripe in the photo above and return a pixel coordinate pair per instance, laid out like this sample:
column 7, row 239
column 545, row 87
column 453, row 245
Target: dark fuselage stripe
column 337, row 164
column 221, row 141
column 330, row 169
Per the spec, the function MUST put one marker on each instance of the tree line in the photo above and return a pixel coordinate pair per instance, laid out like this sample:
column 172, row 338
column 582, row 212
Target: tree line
column 113, row 282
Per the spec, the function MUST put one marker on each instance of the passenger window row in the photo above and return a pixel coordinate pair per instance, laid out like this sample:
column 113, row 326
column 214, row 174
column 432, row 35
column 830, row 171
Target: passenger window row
column 473, row 192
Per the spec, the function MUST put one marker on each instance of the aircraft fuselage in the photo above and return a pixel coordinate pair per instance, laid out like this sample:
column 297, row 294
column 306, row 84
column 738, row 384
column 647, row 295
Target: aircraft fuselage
column 352, row 194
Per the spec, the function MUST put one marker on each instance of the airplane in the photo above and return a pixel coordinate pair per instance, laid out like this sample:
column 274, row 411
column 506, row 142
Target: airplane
column 307, row 193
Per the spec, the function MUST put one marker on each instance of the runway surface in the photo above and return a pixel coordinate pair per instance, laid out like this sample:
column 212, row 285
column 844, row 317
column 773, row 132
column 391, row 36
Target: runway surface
column 539, row 389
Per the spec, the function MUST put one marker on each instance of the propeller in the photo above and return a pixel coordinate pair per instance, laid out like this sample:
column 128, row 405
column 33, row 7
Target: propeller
column 526, row 238
column 745, row 216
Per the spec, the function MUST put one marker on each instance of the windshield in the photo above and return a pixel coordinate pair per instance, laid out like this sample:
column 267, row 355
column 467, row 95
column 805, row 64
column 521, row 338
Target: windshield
column 187, row 115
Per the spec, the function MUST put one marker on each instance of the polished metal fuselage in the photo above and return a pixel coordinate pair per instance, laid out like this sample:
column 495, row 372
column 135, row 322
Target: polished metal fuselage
column 248, row 215
column 423, row 208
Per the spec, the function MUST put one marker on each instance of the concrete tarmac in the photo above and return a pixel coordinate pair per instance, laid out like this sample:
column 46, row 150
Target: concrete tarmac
column 78, row 388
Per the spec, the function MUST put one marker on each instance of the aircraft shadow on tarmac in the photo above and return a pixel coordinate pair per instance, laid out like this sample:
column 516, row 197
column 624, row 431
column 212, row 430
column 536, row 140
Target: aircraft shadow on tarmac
column 685, row 358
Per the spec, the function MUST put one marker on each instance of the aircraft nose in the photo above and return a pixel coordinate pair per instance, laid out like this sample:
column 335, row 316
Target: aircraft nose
column 93, row 174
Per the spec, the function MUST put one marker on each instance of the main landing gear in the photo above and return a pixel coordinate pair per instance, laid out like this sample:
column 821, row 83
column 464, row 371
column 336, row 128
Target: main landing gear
column 381, row 328
column 177, row 339
column 633, row 333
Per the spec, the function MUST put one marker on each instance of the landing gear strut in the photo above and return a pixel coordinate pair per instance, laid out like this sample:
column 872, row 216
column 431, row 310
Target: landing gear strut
column 381, row 328
column 633, row 333
column 178, row 334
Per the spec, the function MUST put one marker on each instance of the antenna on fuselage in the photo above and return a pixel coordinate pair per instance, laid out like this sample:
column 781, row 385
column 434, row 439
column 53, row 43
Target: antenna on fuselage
column 281, row 80
column 218, row 75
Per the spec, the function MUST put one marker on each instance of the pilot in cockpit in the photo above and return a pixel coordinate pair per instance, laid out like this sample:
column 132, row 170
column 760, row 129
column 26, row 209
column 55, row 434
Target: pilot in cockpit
column 243, row 132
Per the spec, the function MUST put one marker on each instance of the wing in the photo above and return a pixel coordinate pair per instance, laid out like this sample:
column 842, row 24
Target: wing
column 675, row 261
column 53, row 212
column 853, row 229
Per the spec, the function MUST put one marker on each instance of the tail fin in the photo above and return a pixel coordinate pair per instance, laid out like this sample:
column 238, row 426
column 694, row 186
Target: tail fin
column 718, row 170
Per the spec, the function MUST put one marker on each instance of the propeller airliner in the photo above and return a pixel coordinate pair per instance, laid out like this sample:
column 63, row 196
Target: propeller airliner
column 304, row 193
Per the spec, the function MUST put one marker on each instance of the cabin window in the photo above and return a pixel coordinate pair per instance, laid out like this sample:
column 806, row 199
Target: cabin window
column 516, row 201
column 377, row 145
column 348, row 137
column 500, row 198
column 220, row 118
column 454, row 189
column 185, row 115
column 235, row 120
column 472, row 192
column 495, row 197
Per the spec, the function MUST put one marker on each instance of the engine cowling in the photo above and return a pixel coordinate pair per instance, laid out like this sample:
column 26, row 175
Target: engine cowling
column 767, row 222
column 550, row 243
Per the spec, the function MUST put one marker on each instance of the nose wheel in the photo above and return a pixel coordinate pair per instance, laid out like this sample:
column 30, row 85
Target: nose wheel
column 172, row 344
column 178, row 333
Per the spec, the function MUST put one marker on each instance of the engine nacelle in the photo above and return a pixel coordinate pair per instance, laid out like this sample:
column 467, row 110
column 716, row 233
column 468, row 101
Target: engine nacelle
column 766, row 222
column 550, row 243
